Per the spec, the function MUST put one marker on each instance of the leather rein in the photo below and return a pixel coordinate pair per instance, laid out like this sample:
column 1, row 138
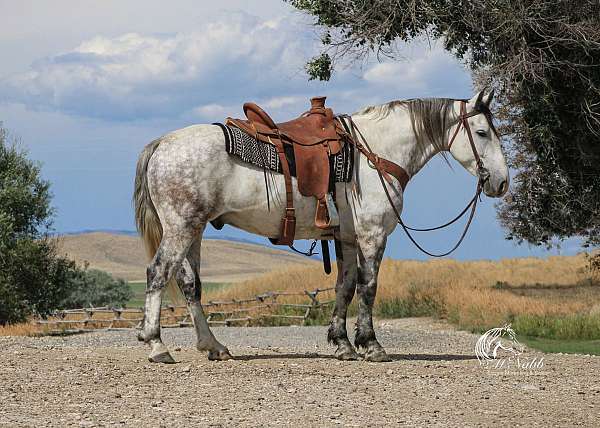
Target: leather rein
column 482, row 174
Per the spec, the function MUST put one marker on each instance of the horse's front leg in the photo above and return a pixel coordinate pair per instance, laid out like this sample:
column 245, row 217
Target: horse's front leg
column 371, row 245
column 344, row 292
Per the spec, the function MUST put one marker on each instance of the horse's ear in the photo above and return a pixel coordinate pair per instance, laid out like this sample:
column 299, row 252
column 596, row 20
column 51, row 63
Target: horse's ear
column 487, row 99
column 476, row 100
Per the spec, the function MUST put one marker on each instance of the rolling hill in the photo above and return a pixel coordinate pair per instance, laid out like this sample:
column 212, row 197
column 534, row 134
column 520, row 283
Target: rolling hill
column 123, row 256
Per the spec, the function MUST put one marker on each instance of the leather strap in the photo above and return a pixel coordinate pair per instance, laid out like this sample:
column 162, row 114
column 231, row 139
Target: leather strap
column 472, row 204
column 288, row 222
column 464, row 122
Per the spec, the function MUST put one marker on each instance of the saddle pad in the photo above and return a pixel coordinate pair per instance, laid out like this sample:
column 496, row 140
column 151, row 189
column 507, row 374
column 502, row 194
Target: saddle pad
column 250, row 150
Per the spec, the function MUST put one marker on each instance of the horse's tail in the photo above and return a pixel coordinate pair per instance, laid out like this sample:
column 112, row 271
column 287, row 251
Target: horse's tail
column 146, row 218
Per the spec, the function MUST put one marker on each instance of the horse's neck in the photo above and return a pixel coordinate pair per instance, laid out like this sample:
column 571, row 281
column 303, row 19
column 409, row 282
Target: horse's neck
column 392, row 137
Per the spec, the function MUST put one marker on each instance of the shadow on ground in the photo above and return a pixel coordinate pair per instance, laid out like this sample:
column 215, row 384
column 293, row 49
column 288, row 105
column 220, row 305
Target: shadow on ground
column 394, row 357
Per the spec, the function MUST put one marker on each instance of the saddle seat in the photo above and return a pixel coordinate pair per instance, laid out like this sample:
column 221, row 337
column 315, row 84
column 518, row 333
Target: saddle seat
column 314, row 136
column 312, row 128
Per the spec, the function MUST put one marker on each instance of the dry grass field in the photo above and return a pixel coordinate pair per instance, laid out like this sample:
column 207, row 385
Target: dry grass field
column 123, row 256
column 557, row 298
column 535, row 294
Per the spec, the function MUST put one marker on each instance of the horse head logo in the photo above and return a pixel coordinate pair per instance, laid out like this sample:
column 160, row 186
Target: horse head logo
column 494, row 341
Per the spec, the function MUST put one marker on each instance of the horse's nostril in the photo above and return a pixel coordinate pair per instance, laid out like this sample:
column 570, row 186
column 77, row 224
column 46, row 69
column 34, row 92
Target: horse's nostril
column 503, row 187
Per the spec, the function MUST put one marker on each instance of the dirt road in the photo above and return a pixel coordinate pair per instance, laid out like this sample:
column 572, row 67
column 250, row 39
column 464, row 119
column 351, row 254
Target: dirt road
column 286, row 377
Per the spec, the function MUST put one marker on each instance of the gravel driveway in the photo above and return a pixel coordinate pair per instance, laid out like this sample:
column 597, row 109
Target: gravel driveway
column 285, row 376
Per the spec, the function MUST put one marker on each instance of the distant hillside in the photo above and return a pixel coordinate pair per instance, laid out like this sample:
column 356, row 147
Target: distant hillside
column 222, row 261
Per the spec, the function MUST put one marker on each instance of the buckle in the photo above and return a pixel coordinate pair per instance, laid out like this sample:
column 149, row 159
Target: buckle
column 483, row 173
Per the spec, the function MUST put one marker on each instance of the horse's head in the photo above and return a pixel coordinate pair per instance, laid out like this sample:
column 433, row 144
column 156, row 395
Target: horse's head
column 510, row 334
column 474, row 136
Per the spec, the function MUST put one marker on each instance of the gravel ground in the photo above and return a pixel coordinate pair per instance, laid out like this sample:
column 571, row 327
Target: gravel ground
column 285, row 376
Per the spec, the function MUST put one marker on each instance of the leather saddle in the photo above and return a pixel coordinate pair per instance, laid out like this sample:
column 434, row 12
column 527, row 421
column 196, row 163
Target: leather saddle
column 314, row 137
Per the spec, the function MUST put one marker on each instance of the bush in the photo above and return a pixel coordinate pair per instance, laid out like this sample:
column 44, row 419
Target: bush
column 32, row 275
column 34, row 278
column 95, row 288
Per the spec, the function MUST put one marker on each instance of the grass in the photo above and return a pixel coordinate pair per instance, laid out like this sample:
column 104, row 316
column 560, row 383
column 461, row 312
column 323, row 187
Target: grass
column 555, row 299
column 21, row 329
column 139, row 292
column 569, row 327
column 554, row 303
column 572, row 346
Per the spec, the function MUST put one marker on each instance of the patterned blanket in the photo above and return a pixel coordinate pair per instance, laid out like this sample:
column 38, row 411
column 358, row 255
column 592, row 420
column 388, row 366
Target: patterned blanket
column 250, row 150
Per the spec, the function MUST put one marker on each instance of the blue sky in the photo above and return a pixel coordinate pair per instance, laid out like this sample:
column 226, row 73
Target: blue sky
column 85, row 85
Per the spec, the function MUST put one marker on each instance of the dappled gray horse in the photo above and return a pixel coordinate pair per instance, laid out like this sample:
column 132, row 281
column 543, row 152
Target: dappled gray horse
column 186, row 179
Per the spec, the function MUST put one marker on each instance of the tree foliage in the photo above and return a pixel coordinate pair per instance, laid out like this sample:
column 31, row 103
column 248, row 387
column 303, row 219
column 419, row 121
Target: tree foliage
column 34, row 278
column 541, row 56
column 96, row 288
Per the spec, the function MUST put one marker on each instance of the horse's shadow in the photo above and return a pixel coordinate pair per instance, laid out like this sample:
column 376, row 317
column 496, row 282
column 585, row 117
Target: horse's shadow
column 393, row 357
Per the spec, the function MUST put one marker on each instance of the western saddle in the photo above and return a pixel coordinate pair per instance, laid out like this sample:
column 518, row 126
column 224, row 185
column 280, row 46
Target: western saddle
column 314, row 136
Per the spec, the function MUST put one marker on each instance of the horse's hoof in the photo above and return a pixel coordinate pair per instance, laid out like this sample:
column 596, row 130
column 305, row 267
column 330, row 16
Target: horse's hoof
column 346, row 354
column 163, row 357
column 141, row 336
column 219, row 355
column 377, row 356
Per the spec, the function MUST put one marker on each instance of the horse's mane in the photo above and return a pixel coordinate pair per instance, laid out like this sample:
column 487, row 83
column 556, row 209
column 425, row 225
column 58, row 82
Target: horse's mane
column 430, row 117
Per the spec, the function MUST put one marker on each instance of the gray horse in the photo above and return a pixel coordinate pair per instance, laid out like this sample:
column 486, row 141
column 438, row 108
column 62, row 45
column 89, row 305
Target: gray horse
column 185, row 180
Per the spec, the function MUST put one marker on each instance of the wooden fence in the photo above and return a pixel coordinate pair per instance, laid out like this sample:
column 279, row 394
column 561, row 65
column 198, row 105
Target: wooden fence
column 264, row 309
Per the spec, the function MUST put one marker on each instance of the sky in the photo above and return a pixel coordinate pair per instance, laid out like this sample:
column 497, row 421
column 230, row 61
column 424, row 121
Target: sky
column 85, row 85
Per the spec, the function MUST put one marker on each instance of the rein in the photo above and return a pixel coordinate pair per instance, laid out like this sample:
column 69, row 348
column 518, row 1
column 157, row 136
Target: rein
column 482, row 173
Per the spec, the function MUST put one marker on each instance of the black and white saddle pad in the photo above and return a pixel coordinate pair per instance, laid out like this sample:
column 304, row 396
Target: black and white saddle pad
column 250, row 150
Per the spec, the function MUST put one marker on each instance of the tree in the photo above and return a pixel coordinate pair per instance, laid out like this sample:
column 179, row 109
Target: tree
column 543, row 59
column 34, row 278
column 96, row 288
column 31, row 274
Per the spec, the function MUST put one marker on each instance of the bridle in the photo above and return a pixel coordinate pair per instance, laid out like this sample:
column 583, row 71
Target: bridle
column 482, row 174
column 463, row 121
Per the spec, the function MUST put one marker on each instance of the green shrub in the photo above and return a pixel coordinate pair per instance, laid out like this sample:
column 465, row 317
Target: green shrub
column 34, row 278
column 569, row 327
column 93, row 288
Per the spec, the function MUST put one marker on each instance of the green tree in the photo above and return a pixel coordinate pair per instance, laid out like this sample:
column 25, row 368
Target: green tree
column 541, row 56
column 34, row 278
column 96, row 288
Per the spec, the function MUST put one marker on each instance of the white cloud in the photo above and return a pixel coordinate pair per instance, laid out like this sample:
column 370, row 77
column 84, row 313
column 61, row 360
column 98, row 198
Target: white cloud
column 135, row 75
column 207, row 74
column 210, row 111
column 279, row 102
column 425, row 71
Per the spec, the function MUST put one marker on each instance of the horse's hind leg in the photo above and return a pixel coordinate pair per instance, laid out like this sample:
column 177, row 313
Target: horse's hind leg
column 189, row 282
column 371, row 245
column 344, row 292
column 166, row 262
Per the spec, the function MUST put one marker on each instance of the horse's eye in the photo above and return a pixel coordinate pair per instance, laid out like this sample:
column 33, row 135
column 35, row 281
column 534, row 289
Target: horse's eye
column 482, row 133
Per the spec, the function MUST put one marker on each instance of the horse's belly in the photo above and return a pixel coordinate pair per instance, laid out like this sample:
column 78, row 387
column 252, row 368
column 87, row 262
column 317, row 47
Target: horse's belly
column 247, row 206
column 267, row 222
